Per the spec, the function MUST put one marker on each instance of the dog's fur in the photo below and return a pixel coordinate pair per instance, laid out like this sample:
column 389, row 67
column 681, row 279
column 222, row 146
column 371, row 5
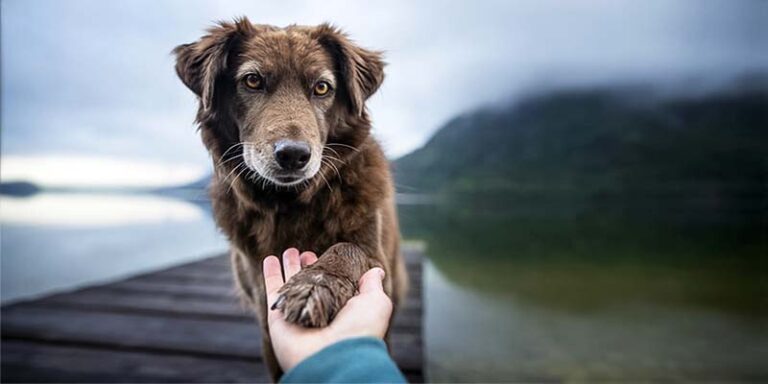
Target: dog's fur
column 341, row 206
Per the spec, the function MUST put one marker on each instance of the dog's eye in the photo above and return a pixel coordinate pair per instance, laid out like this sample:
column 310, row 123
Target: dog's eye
column 253, row 81
column 322, row 88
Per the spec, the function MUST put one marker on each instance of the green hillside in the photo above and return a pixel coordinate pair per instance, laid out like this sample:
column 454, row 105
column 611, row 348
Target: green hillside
column 618, row 141
column 587, row 199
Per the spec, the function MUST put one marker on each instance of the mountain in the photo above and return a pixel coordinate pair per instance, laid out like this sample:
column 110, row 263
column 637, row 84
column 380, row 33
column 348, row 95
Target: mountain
column 197, row 186
column 18, row 188
column 620, row 140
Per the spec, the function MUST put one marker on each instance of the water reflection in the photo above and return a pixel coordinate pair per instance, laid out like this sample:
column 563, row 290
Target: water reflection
column 94, row 210
column 506, row 338
column 552, row 289
column 59, row 241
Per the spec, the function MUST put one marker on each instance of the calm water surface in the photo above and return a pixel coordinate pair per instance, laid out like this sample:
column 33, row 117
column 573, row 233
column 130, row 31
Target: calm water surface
column 52, row 242
column 563, row 291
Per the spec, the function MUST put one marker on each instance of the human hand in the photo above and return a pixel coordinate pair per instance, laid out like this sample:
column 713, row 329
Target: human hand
column 365, row 314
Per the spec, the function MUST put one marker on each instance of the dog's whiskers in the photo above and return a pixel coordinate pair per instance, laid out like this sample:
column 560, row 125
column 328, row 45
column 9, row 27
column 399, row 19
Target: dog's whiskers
column 326, row 181
column 233, row 175
column 331, row 157
column 238, row 170
column 233, row 146
column 333, row 150
column 331, row 166
column 221, row 164
column 343, row 146
column 232, row 171
column 245, row 168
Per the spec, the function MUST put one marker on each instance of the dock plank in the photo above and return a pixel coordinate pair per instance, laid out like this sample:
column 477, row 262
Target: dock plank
column 180, row 324
column 25, row 361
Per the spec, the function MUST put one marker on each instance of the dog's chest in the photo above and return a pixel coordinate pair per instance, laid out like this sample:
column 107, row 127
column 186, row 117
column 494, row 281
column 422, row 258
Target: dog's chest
column 299, row 226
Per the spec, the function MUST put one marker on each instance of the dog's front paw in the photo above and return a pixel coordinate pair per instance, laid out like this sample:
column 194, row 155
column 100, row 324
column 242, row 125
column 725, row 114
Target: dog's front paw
column 312, row 297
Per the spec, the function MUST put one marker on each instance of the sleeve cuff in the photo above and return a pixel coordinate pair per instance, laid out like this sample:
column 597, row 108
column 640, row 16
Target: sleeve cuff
column 357, row 360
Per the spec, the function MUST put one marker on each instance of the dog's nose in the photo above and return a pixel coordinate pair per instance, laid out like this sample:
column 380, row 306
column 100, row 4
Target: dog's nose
column 291, row 155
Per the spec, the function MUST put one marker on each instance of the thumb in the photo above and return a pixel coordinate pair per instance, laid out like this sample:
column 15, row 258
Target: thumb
column 371, row 281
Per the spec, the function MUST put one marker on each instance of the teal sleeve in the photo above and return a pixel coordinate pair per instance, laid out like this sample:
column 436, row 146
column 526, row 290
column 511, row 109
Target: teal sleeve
column 358, row 360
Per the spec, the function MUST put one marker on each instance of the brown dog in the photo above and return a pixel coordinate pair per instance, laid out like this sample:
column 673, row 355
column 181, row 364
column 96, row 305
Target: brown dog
column 282, row 113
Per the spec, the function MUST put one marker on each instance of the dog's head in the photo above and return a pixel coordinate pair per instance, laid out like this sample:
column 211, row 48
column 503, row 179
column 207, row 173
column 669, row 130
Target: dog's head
column 279, row 97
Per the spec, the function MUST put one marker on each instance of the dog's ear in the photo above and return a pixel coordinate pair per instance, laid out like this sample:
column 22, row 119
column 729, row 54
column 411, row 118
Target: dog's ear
column 200, row 64
column 362, row 70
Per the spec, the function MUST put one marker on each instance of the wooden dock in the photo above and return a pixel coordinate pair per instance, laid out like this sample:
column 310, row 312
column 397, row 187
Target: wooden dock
column 181, row 324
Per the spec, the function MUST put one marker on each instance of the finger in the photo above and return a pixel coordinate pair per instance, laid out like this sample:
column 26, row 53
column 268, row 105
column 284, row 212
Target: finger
column 308, row 258
column 371, row 281
column 291, row 263
column 273, row 278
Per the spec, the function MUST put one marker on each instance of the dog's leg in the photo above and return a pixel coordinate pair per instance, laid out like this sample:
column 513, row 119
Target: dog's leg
column 313, row 296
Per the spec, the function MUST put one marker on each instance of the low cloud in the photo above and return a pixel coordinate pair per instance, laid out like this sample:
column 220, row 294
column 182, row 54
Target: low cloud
column 96, row 78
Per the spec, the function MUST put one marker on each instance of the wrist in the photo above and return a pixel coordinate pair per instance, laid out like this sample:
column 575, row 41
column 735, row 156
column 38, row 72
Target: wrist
column 303, row 350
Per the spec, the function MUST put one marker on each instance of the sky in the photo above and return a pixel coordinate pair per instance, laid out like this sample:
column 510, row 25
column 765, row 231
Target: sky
column 84, row 80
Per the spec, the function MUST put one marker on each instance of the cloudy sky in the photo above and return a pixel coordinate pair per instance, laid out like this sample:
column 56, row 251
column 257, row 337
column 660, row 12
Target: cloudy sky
column 92, row 79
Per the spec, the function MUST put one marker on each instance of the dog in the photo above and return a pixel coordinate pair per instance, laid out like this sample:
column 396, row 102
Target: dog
column 282, row 113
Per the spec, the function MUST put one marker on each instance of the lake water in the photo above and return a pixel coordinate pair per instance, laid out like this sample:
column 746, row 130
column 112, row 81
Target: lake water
column 515, row 290
column 555, row 290
column 51, row 242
